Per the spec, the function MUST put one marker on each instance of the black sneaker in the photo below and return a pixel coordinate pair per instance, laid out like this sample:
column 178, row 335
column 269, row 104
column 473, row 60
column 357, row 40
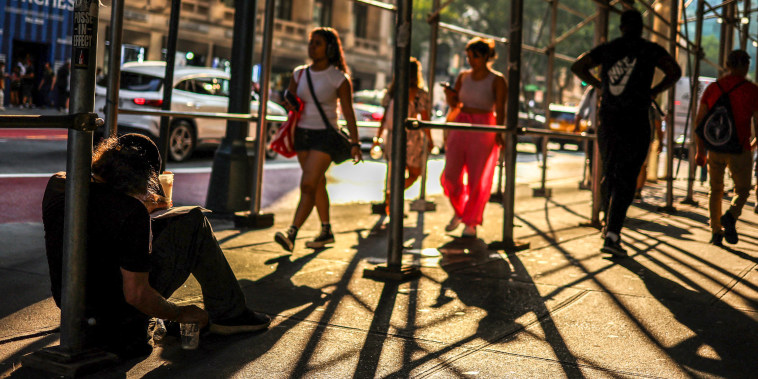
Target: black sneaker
column 248, row 321
column 716, row 239
column 613, row 247
column 284, row 240
column 730, row 230
column 326, row 237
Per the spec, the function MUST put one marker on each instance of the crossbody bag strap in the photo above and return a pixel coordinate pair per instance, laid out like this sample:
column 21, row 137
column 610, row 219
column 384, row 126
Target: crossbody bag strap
column 315, row 99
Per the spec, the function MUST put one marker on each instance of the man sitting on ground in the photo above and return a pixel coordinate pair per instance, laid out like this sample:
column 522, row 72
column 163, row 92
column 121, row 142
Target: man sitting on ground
column 134, row 264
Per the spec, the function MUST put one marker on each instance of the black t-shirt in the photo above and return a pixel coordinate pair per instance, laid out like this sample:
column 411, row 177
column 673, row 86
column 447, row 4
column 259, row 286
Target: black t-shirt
column 627, row 69
column 61, row 80
column 118, row 236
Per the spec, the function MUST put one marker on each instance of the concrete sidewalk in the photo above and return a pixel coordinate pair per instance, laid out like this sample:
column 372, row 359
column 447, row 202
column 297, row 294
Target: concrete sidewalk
column 677, row 307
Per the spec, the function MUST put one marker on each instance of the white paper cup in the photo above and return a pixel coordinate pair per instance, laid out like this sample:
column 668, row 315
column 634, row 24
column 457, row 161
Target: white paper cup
column 167, row 182
column 190, row 336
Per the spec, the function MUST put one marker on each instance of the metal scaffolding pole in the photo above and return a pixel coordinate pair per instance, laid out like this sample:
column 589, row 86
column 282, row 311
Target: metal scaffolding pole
column 745, row 30
column 168, row 79
column 421, row 204
column 254, row 218
column 114, row 68
column 669, row 207
column 73, row 356
column 509, row 244
column 543, row 191
column 230, row 180
column 695, row 88
column 394, row 269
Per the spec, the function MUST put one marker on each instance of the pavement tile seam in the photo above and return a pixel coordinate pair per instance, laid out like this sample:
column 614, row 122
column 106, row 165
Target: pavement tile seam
column 730, row 287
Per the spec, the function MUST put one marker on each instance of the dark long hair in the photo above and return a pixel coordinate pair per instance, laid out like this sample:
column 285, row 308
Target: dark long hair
column 128, row 164
column 334, row 52
column 414, row 75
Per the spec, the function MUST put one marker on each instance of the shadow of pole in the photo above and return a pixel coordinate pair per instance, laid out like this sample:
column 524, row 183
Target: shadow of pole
column 368, row 360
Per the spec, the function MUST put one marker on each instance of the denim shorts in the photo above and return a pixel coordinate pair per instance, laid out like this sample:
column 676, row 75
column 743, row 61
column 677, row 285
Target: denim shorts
column 313, row 139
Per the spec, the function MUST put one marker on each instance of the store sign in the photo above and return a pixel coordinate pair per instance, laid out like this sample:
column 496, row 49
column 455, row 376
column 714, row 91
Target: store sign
column 85, row 18
column 67, row 5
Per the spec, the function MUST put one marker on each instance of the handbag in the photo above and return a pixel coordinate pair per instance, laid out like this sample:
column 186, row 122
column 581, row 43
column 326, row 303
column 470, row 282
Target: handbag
column 284, row 139
column 338, row 139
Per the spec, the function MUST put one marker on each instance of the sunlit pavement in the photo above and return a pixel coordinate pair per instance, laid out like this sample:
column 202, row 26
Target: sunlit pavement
column 677, row 307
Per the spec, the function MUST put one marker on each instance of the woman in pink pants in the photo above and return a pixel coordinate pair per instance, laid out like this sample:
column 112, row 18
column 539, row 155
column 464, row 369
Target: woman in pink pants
column 470, row 157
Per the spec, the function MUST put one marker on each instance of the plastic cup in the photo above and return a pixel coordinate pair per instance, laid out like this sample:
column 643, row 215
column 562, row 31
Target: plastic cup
column 190, row 336
column 167, row 182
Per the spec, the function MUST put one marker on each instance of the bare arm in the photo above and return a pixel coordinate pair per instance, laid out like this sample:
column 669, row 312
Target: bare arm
column 139, row 294
column 345, row 94
column 701, row 154
column 581, row 68
column 451, row 97
column 672, row 73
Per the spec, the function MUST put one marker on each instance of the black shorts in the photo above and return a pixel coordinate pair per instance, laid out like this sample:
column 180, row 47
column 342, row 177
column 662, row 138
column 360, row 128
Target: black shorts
column 311, row 139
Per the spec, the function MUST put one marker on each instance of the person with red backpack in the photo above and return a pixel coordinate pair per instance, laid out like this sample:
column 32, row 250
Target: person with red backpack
column 725, row 136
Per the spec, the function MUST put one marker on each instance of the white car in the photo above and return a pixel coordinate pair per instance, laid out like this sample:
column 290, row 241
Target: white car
column 196, row 89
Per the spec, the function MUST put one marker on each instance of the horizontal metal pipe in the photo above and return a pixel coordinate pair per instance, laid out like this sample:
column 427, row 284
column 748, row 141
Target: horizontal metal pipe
column 378, row 4
column 83, row 121
column 229, row 116
column 417, row 124
column 550, row 133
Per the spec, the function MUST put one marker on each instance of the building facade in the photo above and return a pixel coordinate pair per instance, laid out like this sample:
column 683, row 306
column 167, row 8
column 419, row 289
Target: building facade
column 206, row 30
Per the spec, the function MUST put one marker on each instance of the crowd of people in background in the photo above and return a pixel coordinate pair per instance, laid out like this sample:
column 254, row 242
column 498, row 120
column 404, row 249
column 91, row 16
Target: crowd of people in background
column 28, row 87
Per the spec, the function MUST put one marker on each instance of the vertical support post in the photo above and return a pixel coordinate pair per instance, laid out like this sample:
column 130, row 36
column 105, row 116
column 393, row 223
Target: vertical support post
column 168, row 78
column 421, row 204
column 545, row 192
column 508, row 243
column 601, row 36
column 254, row 218
column 695, row 88
column 78, row 171
column 230, row 183
column 745, row 27
column 394, row 269
column 114, row 68
column 73, row 357
column 673, row 29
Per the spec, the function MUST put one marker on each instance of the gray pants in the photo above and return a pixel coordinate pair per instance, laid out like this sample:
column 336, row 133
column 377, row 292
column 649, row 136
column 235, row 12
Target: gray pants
column 2, row 98
column 185, row 245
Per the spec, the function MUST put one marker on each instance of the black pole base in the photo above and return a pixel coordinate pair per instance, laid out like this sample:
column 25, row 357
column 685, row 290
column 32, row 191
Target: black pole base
column 382, row 273
column 689, row 201
column 667, row 209
column 421, row 205
column 542, row 192
column 248, row 220
column 55, row 360
column 496, row 198
column 378, row 208
column 509, row 246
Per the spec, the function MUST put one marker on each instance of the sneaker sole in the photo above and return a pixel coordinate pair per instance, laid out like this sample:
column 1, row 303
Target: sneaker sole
column 319, row 244
column 236, row 329
column 614, row 252
column 284, row 242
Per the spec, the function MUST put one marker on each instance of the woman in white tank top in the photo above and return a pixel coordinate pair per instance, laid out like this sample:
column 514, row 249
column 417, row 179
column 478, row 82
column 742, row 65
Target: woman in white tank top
column 331, row 84
column 480, row 94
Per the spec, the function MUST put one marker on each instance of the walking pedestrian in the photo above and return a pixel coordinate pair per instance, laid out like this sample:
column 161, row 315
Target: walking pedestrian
column 470, row 157
column 587, row 111
column 134, row 263
column 743, row 98
column 61, row 86
column 320, row 85
column 15, row 86
column 656, row 125
column 418, row 107
column 27, row 83
column 45, row 87
column 627, row 68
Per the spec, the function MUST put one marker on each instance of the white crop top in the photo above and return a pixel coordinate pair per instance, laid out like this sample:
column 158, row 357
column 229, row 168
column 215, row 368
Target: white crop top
column 325, row 85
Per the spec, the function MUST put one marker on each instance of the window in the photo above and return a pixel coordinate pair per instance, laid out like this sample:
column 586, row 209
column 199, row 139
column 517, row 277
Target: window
column 322, row 12
column 139, row 82
column 283, row 9
column 211, row 86
column 360, row 20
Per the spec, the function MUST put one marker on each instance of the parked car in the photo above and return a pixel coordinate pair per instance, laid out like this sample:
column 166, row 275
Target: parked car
column 196, row 89
column 529, row 118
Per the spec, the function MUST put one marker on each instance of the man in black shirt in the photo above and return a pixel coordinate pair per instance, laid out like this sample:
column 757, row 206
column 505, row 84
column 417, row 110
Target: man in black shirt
column 627, row 65
column 134, row 264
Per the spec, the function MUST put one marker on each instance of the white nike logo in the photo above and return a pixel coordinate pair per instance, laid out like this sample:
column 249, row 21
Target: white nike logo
column 619, row 75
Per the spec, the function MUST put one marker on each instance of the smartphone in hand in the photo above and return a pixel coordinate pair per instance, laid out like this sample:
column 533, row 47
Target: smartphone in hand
column 446, row 85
